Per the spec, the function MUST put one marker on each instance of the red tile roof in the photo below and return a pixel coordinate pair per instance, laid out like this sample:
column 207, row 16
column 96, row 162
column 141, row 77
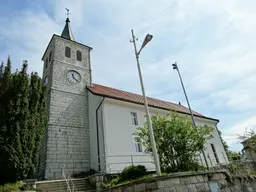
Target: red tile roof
column 138, row 99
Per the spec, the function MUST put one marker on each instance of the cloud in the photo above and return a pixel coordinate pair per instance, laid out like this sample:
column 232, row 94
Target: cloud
column 232, row 135
column 212, row 41
column 25, row 38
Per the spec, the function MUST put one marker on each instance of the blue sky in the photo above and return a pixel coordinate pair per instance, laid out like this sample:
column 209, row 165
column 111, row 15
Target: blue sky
column 212, row 41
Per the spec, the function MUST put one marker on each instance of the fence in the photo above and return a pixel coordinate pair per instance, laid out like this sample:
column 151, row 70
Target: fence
column 116, row 163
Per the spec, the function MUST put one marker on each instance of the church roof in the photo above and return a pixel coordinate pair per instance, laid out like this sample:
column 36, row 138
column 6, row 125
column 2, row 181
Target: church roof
column 67, row 33
column 138, row 99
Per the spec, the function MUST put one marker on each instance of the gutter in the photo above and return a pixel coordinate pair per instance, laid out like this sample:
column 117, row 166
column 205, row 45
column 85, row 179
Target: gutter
column 97, row 129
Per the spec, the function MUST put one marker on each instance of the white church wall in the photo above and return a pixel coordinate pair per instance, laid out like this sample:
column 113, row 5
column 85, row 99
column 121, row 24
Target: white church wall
column 120, row 141
column 119, row 138
column 94, row 101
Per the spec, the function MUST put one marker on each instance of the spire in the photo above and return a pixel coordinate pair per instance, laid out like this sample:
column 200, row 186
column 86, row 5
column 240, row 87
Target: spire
column 67, row 33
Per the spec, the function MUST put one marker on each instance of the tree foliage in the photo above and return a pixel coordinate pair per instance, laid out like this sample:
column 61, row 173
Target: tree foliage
column 178, row 142
column 249, row 139
column 22, row 121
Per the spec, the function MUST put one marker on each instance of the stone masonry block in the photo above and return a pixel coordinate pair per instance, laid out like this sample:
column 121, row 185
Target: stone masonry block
column 174, row 181
column 152, row 186
column 200, row 187
column 215, row 177
column 200, row 178
column 182, row 188
column 140, row 187
column 192, row 188
column 193, row 179
column 185, row 180
column 164, row 183
column 171, row 189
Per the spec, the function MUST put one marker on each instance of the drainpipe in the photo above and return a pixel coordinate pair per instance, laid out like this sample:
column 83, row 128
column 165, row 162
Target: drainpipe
column 97, row 129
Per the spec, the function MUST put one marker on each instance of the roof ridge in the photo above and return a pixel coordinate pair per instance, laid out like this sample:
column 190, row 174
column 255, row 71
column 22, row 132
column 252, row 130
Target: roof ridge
column 103, row 90
column 136, row 94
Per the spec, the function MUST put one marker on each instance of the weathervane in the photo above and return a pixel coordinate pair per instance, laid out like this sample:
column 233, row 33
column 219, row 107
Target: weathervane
column 68, row 13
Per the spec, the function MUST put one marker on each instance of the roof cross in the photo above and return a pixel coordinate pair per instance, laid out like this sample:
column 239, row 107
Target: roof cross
column 68, row 13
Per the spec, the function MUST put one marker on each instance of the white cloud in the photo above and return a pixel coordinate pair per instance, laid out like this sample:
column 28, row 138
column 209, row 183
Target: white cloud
column 232, row 135
column 212, row 41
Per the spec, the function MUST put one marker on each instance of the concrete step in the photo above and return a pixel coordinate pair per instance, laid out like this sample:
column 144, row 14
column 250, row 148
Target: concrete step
column 81, row 185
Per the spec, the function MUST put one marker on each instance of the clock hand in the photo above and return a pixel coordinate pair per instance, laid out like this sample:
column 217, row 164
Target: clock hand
column 74, row 77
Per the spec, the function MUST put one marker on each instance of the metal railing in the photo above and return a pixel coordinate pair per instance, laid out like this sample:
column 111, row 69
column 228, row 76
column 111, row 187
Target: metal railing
column 116, row 163
column 66, row 176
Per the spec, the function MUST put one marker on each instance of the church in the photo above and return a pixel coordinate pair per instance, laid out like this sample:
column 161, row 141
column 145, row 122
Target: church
column 91, row 125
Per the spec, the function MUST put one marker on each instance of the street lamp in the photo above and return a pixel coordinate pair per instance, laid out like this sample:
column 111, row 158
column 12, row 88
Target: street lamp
column 147, row 39
column 175, row 67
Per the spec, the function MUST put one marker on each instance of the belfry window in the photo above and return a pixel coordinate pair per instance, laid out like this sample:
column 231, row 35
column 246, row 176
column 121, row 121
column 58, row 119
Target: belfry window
column 50, row 56
column 67, row 52
column 78, row 55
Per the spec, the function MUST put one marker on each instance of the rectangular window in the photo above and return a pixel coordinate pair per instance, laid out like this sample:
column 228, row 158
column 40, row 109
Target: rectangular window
column 46, row 80
column 78, row 55
column 215, row 153
column 67, row 52
column 46, row 63
column 138, row 145
column 134, row 118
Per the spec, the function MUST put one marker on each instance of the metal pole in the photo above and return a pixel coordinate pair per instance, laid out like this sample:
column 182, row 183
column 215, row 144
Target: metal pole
column 192, row 116
column 150, row 129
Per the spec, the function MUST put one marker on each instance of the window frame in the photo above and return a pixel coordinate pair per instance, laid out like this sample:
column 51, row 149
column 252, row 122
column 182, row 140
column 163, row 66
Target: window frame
column 46, row 63
column 50, row 56
column 46, row 79
column 67, row 52
column 215, row 153
column 137, row 144
column 78, row 53
column 134, row 118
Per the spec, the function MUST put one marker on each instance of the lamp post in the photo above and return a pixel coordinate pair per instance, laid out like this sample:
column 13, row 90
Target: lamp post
column 175, row 67
column 150, row 128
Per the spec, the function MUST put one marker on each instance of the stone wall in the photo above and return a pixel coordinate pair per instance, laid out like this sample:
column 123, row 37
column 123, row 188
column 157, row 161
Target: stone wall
column 191, row 182
column 66, row 140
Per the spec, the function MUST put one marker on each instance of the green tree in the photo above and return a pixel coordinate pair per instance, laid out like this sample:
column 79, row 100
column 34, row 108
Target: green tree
column 178, row 142
column 22, row 122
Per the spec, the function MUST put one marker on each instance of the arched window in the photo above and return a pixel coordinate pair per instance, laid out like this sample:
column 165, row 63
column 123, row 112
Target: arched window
column 67, row 51
column 78, row 55
column 50, row 56
column 46, row 63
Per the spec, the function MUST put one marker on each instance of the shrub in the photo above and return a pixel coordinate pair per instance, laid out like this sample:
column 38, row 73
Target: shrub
column 133, row 172
column 84, row 174
column 11, row 186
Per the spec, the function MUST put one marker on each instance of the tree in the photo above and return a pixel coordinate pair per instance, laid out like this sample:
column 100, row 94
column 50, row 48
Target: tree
column 178, row 142
column 249, row 141
column 22, row 122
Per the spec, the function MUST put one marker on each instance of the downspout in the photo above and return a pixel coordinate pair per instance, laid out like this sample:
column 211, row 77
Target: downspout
column 97, row 129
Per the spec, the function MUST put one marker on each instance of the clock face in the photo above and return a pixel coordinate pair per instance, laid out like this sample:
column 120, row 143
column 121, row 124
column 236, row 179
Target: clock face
column 73, row 76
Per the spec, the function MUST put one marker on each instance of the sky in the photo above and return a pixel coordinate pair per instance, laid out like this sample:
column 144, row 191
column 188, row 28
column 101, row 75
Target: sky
column 213, row 43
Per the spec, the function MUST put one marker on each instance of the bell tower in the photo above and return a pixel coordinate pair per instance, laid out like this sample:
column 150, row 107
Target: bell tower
column 67, row 72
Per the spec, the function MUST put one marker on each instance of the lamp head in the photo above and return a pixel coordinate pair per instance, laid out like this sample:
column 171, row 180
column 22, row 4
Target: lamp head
column 147, row 39
column 174, row 66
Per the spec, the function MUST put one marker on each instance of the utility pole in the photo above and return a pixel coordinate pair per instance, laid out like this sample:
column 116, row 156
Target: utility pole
column 175, row 66
column 150, row 128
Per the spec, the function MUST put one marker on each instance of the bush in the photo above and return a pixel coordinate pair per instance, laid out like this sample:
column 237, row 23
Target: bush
column 84, row 174
column 11, row 186
column 133, row 172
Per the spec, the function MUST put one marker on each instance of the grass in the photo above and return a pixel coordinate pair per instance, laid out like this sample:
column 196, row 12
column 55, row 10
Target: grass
column 12, row 186
column 18, row 186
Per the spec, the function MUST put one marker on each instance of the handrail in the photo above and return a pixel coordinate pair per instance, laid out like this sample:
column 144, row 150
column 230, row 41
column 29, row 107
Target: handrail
column 64, row 171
